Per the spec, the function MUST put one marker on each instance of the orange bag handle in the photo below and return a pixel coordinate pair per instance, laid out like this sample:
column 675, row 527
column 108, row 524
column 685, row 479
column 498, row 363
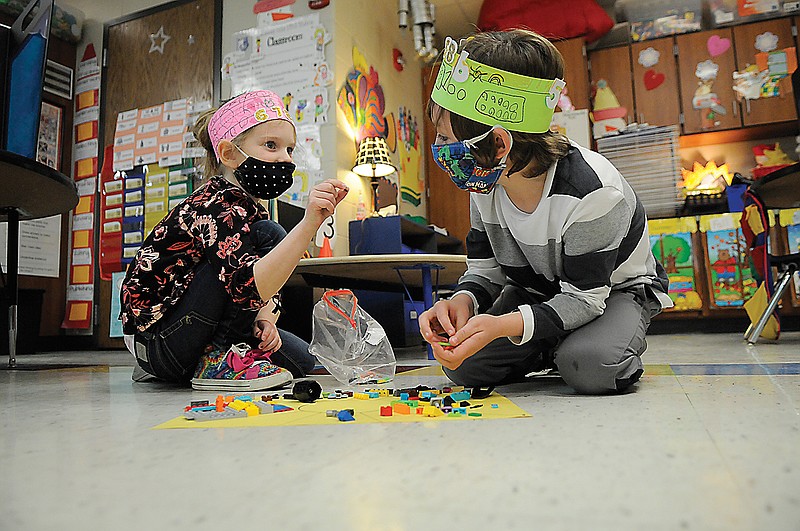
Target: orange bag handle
column 334, row 293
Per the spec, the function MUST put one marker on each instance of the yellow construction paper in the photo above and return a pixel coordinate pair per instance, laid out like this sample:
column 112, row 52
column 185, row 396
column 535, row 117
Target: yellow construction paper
column 85, row 168
column 84, row 205
column 80, row 239
column 84, row 131
column 789, row 216
column 78, row 311
column 754, row 220
column 755, row 307
column 80, row 274
column 365, row 411
column 671, row 225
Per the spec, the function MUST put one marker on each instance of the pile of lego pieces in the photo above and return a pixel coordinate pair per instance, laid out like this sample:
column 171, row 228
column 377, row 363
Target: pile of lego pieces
column 420, row 400
column 228, row 407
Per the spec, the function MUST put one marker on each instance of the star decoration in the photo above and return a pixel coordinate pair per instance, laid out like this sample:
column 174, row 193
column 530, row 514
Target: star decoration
column 158, row 36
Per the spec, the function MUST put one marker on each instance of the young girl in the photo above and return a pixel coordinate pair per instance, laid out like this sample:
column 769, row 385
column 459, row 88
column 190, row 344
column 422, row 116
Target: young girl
column 559, row 267
column 196, row 295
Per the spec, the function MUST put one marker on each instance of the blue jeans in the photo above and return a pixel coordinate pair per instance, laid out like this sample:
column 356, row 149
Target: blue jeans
column 206, row 315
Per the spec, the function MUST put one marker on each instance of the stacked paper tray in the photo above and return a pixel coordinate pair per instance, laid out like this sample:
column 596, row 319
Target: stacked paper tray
column 647, row 156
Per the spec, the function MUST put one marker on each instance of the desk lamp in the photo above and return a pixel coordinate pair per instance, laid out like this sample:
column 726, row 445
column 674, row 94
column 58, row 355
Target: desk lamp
column 373, row 161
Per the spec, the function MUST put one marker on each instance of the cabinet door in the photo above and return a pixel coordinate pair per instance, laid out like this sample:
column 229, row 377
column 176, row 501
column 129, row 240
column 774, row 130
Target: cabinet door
column 765, row 110
column 708, row 101
column 575, row 71
column 614, row 66
column 655, row 82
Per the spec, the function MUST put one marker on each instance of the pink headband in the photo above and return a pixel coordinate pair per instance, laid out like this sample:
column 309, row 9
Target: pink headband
column 243, row 112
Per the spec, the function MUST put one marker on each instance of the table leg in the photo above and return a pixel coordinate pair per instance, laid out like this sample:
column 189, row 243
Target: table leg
column 13, row 269
column 427, row 297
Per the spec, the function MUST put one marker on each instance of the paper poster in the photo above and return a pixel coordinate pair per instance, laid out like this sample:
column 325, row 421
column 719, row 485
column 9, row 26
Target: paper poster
column 304, row 180
column 115, row 324
column 80, row 287
column 151, row 135
column 731, row 278
column 574, row 125
column 286, row 57
column 674, row 250
column 308, row 151
column 39, row 246
column 412, row 183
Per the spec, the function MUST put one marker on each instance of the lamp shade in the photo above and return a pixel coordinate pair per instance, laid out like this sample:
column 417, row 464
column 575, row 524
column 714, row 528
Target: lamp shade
column 373, row 158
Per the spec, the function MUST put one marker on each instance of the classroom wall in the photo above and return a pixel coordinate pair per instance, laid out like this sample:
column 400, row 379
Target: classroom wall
column 369, row 25
column 372, row 27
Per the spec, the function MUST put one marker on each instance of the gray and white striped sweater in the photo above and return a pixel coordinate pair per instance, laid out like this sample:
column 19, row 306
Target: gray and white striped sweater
column 587, row 236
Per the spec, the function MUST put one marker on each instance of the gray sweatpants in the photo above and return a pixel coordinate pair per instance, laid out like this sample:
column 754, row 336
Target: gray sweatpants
column 603, row 355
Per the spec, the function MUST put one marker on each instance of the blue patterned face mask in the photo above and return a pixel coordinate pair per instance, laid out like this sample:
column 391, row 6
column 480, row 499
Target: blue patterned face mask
column 459, row 163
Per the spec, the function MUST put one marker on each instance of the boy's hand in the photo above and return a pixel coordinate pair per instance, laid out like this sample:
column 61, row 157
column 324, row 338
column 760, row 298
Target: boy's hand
column 445, row 318
column 267, row 333
column 478, row 332
column 322, row 200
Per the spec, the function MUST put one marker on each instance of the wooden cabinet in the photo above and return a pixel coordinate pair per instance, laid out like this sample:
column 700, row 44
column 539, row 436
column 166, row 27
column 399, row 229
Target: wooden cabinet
column 765, row 110
column 575, row 71
column 708, row 104
column 655, row 86
column 614, row 66
column 648, row 93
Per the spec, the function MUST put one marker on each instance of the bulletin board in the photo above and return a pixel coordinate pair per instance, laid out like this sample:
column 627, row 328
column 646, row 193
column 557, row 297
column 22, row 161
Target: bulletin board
column 160, row 55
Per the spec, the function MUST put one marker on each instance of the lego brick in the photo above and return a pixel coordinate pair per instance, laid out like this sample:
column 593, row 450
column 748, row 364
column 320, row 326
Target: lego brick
column 401, row 409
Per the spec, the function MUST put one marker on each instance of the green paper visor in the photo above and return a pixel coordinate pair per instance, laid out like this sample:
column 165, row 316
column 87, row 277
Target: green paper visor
column 492, row 96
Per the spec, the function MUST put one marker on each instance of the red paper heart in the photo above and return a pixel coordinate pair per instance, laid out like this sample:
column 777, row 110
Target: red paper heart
column 653, row 79
column 717, row 45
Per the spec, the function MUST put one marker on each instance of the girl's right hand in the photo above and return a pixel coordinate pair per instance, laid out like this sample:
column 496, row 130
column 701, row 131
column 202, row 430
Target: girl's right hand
column 445, row 318
column 322, row 200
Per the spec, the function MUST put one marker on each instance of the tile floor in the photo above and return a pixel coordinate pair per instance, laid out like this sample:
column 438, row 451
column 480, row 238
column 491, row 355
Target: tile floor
column 710, row 440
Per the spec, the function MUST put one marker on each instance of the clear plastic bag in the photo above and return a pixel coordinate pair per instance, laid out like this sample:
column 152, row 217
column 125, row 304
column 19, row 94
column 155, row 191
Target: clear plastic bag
column 348, row 342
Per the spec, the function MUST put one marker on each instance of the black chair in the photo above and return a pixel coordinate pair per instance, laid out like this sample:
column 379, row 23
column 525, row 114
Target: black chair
column 779, row 189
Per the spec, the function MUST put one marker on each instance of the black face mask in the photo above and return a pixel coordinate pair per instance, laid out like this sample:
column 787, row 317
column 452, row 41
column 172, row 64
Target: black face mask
column 264, row 180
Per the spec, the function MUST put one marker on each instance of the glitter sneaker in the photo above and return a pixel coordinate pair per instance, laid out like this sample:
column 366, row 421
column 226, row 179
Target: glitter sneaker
column 241, row 368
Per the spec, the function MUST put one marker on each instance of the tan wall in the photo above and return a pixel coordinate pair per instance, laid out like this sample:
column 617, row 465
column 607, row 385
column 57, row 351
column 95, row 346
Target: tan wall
column 372, row 27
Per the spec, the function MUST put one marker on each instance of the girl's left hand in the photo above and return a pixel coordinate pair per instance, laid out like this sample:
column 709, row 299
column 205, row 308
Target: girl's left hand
column 472, row 337
column 267, row 332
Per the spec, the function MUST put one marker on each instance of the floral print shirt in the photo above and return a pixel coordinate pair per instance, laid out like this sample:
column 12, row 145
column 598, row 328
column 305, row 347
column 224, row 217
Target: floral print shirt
column 212, row 224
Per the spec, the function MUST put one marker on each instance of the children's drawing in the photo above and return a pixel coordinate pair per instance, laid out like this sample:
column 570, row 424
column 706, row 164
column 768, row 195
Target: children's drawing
column 649, row 57
column 408, row 144
column 653, row 79
column 675, row 252
column 361, row 100
column 766, row 42
column 705, row 99
column 717, row 45
column 607, row 114
column 732, row 280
